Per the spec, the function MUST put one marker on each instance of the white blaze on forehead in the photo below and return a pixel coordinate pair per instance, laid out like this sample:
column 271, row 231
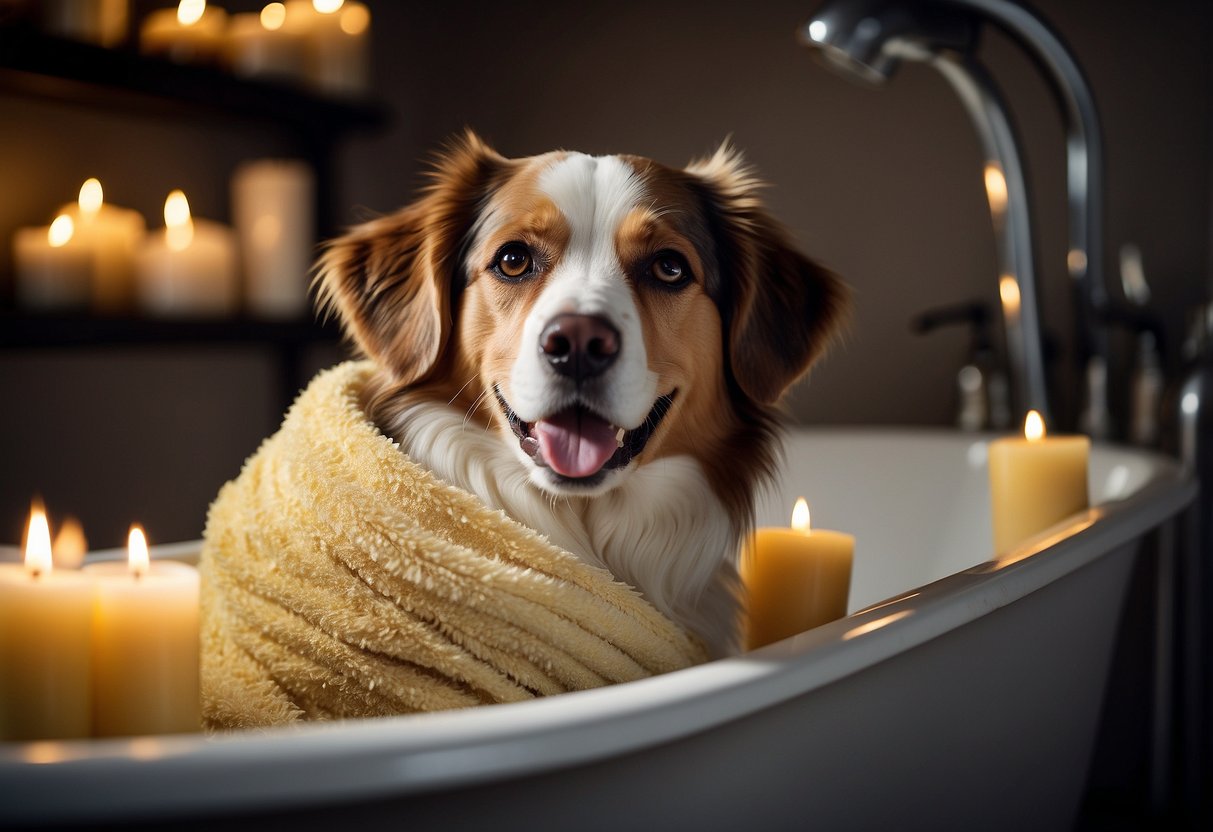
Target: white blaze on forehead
column 595, row 195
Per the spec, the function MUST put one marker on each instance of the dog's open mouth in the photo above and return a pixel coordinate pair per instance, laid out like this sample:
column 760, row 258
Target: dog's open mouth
column 578, row 445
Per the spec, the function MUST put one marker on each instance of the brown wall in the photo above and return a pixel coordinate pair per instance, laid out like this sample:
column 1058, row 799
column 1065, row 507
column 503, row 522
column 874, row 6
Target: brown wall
column 881, row 185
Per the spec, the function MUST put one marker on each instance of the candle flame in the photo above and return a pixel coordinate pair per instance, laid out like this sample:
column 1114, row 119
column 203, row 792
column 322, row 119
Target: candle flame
column 1008, row 290
column 996, row 188
column 136, row 548
column 800, row 515
column 355, row 19
column 38, row 542
column 273, row 16
column 178, row 225
column 190, row 12
column 1033, row 427
column 327, row 6
column 1076, row 261
column 70, row 545
column 61, row 231
column 91, row 196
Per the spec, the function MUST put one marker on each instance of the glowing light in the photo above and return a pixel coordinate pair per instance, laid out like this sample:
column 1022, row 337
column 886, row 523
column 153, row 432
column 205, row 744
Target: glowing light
column 91, row 196
column 61, row 231
column 1076, row 260
column 818, row 30
column 872, row 626
column 190, row 12
column 355, row 20
column 800, row 515
column 327, row 6
column 38, row 543
column 1189, row 404
column 70, row 544
column 1008, row 290
column 273, row 16
column 136, row 552
column 178, row 225
column 1033, row 427
column 996, row 188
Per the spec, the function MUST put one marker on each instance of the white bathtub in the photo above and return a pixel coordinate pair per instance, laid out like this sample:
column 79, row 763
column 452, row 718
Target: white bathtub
column 964, row 693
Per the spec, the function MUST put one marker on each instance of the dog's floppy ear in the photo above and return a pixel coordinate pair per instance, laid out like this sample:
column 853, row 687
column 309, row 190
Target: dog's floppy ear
column 780, row 309
column 390, row 280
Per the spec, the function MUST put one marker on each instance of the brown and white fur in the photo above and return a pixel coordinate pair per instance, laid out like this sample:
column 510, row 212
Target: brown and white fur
column 522, row 308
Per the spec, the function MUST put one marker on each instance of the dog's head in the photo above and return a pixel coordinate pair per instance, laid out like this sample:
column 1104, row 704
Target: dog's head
column 601, row 312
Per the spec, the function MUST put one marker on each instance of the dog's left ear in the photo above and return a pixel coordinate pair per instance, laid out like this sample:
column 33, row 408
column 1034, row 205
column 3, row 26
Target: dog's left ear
column 781, row 309
column 390, row 280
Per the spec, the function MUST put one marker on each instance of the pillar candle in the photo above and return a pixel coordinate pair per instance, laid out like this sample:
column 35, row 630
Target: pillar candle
column 112, row 236
column 103, row 22
column 189, row 268
column 191, row 33
column 145, row 645
column 795, row 579
column 1035, row 482
column 260, row 45
column 337, row 34
column 273, row 206
column 45, row 618
column 52, row 267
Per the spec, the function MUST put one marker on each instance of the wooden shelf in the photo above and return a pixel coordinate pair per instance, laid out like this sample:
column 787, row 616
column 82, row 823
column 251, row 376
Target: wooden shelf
column 36, row 64
column 26, row 332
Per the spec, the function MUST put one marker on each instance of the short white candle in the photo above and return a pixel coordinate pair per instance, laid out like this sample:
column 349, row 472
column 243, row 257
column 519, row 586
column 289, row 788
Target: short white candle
column 260, row 45
column 191, row 33
column 145, row 645
column 337, row 33
column 45, row 620
column 53, row 268
column 112, row 236
column 273, row 206
column 189, row 268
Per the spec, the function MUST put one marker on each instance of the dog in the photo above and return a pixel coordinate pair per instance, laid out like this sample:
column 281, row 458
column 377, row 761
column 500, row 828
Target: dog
column 595, row 345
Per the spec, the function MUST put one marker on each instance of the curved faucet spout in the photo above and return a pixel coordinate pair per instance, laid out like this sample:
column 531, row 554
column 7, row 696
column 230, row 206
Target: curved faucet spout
column 868, row 38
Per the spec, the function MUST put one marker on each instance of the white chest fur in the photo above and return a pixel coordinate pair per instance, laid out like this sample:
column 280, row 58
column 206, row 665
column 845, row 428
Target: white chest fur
column 662, row 530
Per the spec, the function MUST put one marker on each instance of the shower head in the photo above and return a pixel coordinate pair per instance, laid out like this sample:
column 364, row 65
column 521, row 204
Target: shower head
column 868, row 39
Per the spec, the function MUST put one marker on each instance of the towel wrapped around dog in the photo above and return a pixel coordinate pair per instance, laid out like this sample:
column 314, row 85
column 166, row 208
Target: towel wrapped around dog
column 341, row 579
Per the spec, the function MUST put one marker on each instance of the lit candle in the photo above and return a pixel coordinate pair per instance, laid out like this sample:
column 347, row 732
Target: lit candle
column 52, row 266
column 45, row 618
column 190, row 267
column 145, row 645
column 1035, row 482
column 190, row 33
column 273, row 206
column 795, row 579
column 260, row 44
column 337, row 34
column 112, row 236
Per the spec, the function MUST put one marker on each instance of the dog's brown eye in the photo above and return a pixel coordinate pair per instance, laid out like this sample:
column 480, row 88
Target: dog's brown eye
column 669, row 268
column 514, row 261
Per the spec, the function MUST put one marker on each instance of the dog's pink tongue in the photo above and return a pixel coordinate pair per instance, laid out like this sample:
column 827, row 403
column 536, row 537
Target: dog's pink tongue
column 575, row 443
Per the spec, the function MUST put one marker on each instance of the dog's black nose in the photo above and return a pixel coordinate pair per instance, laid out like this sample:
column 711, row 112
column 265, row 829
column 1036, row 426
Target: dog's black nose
column 579, row 346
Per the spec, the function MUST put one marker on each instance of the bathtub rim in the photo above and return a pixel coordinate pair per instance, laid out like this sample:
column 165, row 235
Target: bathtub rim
column 402, row 756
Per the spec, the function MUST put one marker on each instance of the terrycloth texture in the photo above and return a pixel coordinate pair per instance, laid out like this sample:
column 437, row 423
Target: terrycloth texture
column 341, row 579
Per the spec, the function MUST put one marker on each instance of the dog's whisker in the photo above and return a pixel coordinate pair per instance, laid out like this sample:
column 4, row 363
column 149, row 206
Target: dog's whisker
column 461, row 389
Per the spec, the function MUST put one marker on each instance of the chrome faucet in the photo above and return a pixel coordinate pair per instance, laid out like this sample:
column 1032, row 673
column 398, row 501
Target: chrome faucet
column 869, row 38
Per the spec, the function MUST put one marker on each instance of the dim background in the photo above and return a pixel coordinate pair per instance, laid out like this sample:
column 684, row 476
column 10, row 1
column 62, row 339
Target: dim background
column 882, row 185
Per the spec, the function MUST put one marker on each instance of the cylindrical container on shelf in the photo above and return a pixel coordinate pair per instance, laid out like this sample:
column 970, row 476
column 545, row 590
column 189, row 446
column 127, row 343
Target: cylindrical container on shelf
column 190, row 33
column 53, row 267
column 260, row 45
column 188, row 269
column 103, row 22
column 273, row 207
column 338, row 44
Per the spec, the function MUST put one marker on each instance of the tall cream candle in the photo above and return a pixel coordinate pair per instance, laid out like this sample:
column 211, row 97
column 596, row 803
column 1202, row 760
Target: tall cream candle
column 45, row 620
column 795, row 579
column 1035, row 482
column 273, row 207
column 145, row 645
column 111, row 235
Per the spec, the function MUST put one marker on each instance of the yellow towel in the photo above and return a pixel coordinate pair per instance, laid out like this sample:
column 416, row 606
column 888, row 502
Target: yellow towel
column 341, row 579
